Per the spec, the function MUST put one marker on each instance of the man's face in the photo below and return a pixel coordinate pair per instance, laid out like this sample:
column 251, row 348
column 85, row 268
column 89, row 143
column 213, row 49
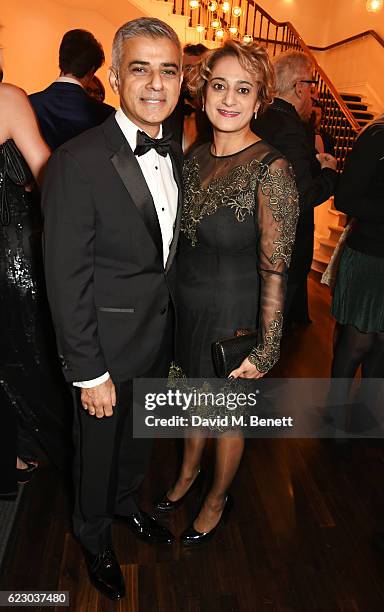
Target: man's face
column 304, row 93
column 148, row 81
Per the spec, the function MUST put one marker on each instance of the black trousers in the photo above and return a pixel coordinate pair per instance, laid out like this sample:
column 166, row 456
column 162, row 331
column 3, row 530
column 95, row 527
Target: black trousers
column 109, row 463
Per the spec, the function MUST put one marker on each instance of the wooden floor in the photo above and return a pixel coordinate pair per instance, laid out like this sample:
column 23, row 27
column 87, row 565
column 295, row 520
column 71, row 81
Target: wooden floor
column 298, row 539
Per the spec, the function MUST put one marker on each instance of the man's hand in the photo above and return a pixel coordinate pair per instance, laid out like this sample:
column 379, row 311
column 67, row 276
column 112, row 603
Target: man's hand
column 326, row 161
column 246, row 370
column 99, row 400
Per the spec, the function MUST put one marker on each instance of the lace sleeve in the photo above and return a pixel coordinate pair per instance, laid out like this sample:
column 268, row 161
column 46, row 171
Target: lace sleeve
column 277, row 214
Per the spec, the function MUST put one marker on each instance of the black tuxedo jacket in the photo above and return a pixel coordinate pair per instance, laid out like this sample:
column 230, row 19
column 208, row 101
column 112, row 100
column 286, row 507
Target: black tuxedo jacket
column 107, row 286
column 65, row 110
column 282, row 127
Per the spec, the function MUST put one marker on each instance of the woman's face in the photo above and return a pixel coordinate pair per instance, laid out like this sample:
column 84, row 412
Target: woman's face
column 231, row 96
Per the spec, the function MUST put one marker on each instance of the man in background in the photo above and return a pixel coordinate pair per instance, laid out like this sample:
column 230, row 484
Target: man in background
column 188, row 124
column 64, row 109
column 285, row 126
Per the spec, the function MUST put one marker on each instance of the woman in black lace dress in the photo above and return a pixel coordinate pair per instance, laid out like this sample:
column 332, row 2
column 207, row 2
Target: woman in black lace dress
column 238, row 228
column 26, row 373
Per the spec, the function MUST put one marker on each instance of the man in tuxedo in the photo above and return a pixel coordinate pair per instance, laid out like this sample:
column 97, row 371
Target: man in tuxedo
column 112, row 204
column 64, row 109
column 285, row 126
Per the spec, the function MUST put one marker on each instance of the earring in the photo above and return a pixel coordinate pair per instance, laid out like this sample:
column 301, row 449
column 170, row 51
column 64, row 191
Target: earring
column 203, row 107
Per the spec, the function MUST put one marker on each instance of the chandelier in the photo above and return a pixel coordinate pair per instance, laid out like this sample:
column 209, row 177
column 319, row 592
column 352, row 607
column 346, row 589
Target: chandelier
column 219, row 19
column 374, row 6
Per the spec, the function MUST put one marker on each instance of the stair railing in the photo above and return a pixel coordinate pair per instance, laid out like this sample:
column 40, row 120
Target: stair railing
column 255, row 23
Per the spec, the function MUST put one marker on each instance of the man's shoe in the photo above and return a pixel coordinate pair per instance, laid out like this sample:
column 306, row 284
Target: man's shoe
column 146, row 528
column 105, row 573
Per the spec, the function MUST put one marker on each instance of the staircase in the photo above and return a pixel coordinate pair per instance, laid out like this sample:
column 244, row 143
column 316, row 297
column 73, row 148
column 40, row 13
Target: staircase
column 358, row 108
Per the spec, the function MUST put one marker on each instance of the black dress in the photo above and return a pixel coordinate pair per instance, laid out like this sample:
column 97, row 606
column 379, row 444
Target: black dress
column 237, row 232
column 30, row 381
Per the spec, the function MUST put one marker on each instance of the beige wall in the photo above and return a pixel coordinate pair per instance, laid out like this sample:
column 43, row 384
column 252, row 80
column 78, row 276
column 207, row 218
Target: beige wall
column 357, row 67
column 31, row 33
column 323, row 22
column 350, row 17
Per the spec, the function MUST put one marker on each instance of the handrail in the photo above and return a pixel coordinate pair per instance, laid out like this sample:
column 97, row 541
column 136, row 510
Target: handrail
column 372, row 33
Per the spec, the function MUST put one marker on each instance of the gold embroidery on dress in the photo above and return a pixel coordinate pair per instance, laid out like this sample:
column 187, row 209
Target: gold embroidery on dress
column 238, row 191
column 266, row 354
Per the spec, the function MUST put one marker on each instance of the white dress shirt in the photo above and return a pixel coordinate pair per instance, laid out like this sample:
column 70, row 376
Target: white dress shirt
column 158, row 175
column 64, row 79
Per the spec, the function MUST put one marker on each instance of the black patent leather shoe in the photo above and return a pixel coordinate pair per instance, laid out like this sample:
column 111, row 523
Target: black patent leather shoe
column 105, row 573
column 164, row 504
column 192, row 538
column 146, row 528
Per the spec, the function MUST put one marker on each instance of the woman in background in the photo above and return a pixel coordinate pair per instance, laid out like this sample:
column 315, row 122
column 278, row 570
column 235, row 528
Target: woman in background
column 358, row 299
column 30, row 391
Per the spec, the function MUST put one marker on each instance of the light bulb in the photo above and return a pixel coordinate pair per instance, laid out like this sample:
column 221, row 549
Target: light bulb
column 225, row 7
column 194, row 4
column 233, row 30
column 236, row 11
column 219, row 33
column 212, row 6
column 215, row 24
column 373, row 6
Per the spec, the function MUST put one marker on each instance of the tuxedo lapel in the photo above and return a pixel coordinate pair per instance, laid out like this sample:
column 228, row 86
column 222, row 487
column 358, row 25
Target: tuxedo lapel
column 177, row 167
column 127, row 167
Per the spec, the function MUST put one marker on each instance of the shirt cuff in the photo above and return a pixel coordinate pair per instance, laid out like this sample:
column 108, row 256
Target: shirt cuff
column 88, row 384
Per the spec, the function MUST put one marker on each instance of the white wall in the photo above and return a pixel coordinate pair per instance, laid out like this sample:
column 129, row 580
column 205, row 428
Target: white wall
column 31, row 33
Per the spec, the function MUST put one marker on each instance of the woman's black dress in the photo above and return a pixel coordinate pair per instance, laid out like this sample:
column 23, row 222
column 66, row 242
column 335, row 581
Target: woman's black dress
column 237, row 232
column 30, row 380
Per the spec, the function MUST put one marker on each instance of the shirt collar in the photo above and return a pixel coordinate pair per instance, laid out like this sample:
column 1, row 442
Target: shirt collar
column 130, row 129
column 64, row 79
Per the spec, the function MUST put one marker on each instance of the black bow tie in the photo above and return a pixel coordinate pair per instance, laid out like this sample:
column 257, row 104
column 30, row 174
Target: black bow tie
column 145, row 143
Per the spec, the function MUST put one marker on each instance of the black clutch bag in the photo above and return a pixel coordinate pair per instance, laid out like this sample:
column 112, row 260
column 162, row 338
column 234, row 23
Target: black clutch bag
column 229, row 353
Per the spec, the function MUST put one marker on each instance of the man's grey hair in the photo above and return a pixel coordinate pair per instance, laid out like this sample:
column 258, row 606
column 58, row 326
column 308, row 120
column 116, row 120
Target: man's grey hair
column 290, row 67
column 149, row 27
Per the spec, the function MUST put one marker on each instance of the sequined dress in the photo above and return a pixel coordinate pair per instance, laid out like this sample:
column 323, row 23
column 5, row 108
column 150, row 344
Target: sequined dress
column 29, row 376
column 237, row 232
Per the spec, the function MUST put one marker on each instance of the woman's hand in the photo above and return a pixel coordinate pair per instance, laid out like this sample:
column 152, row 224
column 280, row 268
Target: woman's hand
column 246, row 370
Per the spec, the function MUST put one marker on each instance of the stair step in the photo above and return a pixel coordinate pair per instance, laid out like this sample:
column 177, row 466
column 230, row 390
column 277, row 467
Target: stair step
column 342, row 217
column 328, row 242
column 351, row 97
column 363, row 115
column 320, row 257
column 357, row 106
column 318, row 266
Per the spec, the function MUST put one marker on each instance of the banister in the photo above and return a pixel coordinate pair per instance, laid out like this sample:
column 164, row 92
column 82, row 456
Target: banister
column 372, row 33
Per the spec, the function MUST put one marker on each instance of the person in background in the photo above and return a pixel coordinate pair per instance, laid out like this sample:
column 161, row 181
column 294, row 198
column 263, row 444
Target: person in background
column 30, row 401
column 64, row 109
column 358, row 298
column 96, row 89
column 188, row 124
column 284, row 126
column 324, row 143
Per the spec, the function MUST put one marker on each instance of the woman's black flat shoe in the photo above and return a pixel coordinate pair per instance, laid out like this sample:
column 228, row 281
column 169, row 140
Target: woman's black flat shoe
column 164, row 504
column 23, row 476
column 192, row 538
